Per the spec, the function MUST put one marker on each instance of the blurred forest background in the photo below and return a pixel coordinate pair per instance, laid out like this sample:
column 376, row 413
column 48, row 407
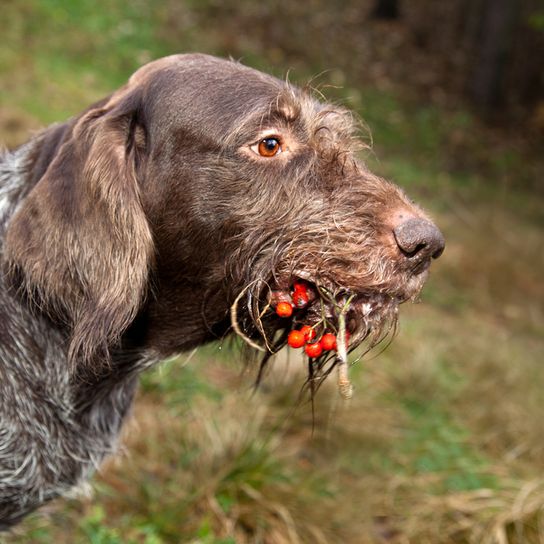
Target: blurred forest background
column 443, row 440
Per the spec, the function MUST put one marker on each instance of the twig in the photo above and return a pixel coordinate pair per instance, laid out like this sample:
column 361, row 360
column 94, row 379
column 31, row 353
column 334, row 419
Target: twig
column 344, row 385
column 234, row 320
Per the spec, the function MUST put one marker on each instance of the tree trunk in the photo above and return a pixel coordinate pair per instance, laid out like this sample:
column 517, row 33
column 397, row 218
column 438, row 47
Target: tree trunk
column 386, row 9
column 497, row 22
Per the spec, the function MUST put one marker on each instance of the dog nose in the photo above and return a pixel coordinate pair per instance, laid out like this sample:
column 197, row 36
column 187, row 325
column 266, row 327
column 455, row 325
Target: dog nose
column 419, row 239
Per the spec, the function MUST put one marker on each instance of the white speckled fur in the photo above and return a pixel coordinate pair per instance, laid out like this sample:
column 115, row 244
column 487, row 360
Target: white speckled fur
column 48, row 444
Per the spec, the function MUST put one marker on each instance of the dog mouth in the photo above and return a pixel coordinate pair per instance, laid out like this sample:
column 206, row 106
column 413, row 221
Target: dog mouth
column 366, row 316
column 324, row 320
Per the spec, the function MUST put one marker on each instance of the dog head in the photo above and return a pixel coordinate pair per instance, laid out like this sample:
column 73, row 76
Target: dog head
column 203, row 182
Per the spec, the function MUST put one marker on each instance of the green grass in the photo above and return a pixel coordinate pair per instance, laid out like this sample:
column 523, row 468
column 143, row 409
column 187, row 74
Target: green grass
column 442, row 441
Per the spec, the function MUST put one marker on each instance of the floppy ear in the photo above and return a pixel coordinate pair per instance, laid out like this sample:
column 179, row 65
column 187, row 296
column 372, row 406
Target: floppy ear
column 80, row 241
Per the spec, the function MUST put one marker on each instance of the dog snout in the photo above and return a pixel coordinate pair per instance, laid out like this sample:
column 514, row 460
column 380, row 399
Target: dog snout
column 419, row 240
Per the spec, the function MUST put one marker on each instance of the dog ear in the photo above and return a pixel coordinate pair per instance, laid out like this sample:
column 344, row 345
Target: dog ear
column 80, row 241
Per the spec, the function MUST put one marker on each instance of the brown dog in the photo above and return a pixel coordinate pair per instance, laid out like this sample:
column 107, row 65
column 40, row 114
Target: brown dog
column 128, row 233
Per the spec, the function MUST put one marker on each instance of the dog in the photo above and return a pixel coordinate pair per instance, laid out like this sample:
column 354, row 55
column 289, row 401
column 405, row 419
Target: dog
column 164, row 216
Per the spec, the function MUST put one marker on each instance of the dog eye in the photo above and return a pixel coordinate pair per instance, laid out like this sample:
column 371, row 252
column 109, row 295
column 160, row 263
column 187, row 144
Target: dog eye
column 267, row 147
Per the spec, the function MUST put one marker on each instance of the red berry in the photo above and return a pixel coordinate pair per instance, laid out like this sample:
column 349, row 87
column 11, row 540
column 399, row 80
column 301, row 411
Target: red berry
column 313, row 350
column 296, row 339
column 300, row 298
column 308, row 332
column 300, row 286
column 328, row 341
column 284, row 309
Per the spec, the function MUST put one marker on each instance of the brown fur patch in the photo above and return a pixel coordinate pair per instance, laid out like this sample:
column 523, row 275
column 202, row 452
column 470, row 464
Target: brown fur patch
column 80, row 240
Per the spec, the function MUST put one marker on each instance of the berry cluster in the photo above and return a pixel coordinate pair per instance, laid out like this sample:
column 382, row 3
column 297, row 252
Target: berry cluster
column 299, row 298
column 305, row 337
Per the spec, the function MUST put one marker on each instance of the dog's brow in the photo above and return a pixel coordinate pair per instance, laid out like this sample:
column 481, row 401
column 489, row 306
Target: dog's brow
column 252, row 125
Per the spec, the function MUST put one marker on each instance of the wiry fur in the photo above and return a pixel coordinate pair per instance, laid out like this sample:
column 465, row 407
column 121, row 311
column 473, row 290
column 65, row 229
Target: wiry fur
column 127, row 233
